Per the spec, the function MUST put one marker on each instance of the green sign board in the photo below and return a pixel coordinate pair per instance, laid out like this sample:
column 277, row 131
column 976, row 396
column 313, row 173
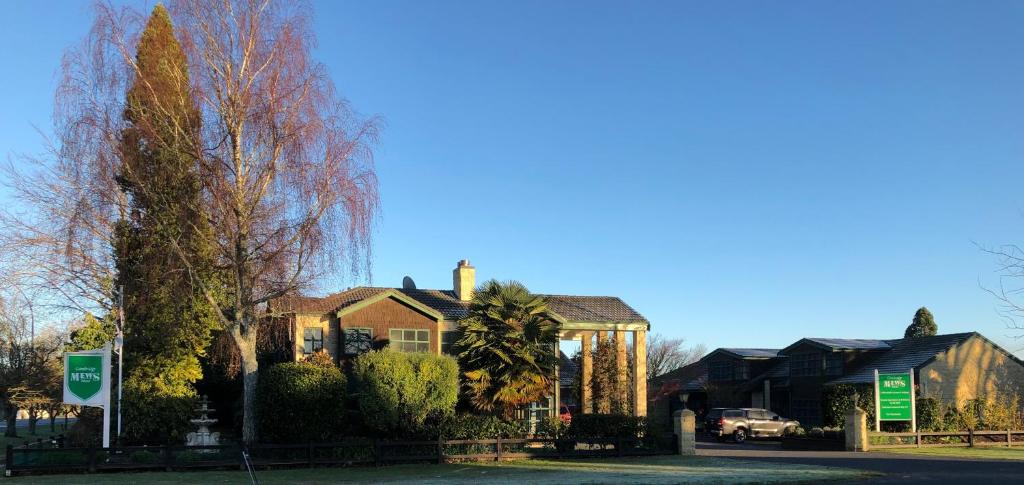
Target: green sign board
column 895, row 397
column 84, row 375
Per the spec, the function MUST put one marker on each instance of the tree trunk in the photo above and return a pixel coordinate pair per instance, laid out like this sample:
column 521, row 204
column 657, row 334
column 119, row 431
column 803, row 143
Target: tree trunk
column 12, row 421
column 33, row 418
column 53, row 422
column 246, row 342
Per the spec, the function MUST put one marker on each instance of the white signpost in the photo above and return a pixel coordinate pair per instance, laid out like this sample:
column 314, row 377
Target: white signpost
column 87, row 382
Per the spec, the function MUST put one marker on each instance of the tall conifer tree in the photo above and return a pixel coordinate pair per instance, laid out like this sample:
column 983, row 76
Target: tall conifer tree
column 168, row 322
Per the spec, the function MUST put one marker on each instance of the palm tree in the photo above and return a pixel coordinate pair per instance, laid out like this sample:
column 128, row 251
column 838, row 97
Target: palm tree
column 506, row 348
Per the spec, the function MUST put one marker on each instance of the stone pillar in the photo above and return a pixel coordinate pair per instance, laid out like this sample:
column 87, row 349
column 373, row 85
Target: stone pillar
column 621, row 372
column 856, row 430
column 587, row 362
column 640, row 373
column 684, row 423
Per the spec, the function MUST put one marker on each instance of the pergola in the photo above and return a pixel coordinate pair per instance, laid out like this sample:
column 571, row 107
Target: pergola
column 586, row 332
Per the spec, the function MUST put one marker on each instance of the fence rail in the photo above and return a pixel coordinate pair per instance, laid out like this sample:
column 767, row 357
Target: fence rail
column 345, row 453
column 933, row 439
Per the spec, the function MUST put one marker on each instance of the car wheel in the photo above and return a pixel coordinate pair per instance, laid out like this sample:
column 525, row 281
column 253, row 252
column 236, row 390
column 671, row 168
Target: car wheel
column 740, row 435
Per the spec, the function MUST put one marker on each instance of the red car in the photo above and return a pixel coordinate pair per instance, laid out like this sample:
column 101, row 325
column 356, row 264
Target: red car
column 564, row 414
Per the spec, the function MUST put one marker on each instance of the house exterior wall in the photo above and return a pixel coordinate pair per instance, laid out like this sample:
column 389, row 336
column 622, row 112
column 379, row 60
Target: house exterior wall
column 326, row 322
column 976, row 368
column 387, row 314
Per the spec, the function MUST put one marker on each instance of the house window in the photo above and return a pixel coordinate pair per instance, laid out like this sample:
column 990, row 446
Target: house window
column 312, row 340
column 720, row 371
column 448, row 339
column 357, row 340
column 741, row 371
column 405, row 340
column 834, row 364
column 805, row 365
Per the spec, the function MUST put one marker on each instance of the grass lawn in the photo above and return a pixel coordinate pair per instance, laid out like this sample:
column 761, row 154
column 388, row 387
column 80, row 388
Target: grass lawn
column 1016, row 453
column 658, row 469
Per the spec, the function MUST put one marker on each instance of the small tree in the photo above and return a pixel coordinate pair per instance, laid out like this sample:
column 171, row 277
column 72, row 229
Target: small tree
column 507, row 348
column 923, row 325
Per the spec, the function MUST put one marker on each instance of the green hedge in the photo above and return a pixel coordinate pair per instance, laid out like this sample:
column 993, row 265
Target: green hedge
column 398, row 392
column 475, row 427
column 153, row 418
column 298, row 402
column 585, row 426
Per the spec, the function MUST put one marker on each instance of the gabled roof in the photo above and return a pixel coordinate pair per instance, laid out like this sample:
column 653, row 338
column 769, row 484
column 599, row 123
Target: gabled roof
column 569, row 308
column 904, row 354
column 840, row 344
column 593, row 309
column 744, row 353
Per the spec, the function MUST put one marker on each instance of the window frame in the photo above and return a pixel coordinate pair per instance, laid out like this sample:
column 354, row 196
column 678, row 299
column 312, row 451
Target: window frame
column 811, row 364
column 721, row 371
column 345, row 342
column 838, row 363
column 441, row 337
column 402, row 341
column 312, row 340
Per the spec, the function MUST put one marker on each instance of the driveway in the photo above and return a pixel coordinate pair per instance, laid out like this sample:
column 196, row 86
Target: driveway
column 898, row 468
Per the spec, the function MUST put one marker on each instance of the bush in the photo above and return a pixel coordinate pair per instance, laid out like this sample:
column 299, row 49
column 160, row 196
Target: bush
column 591, row 426
column 838, row 400
column 399, row 392
column 300, row 402
column 475, row 427
column 153, row 418
column 87, row 430
column 929, row 414
column 552, row 427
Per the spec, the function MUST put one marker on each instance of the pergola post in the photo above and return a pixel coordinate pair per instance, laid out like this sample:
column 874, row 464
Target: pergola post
column 587, row 361
column 603, row 404
column 640, row 373
column 621, row 373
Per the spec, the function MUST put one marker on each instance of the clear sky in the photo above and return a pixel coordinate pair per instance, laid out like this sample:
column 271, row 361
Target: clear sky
column 742, row 173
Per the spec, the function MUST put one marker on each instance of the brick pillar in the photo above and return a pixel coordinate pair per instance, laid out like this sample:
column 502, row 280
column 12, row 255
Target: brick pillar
column 640, row 373
column 621, row 372
column 587, row 362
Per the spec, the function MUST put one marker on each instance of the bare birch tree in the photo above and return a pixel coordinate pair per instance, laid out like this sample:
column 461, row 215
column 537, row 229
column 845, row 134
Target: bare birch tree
column 289, row 191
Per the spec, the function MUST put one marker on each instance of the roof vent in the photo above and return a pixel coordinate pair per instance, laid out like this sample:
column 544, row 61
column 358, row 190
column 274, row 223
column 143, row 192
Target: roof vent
column 408, row 283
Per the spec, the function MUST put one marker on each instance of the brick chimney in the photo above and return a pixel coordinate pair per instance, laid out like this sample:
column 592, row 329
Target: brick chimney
column 464, row 280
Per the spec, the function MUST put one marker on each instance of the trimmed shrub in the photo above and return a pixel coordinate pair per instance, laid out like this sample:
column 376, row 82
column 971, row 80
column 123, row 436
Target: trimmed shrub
column 398, row 392
column 838, row 400
column 929, row 414
column 475, row 427
column 300, row 402
column 607, row 426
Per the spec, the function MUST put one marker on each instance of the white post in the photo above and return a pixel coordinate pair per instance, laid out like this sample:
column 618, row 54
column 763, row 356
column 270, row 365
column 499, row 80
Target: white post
column 120, row 359
column 878, row 413
column 105, row 388
column 913, row 404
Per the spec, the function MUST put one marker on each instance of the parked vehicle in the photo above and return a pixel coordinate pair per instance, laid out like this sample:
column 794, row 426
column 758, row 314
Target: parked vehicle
column 741, row 423
column 564, row 414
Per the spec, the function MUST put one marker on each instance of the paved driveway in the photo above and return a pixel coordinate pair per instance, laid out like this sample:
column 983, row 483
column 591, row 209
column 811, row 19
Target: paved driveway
column 898, row 468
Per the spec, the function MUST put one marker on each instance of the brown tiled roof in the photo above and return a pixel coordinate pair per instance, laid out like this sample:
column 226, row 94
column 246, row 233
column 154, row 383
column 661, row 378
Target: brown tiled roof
column 593, row 309
column 572, row 308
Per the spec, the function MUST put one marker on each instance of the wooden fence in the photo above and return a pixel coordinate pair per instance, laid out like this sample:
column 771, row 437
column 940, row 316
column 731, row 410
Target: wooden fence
column 345, row 453
column 928, row 439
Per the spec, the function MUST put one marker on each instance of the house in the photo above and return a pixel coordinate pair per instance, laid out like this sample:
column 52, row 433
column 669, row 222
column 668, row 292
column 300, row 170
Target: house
column 953, row 368
column 407, row 319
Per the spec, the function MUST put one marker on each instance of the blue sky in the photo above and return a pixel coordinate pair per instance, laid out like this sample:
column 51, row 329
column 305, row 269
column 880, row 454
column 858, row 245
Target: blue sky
column 742, row 173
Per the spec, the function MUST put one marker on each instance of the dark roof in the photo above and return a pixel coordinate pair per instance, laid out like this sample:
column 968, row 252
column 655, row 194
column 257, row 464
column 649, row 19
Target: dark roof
column 905, row 354
column 676, row 380
column 571, row 308
column 842, row 344
column 752, row 353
